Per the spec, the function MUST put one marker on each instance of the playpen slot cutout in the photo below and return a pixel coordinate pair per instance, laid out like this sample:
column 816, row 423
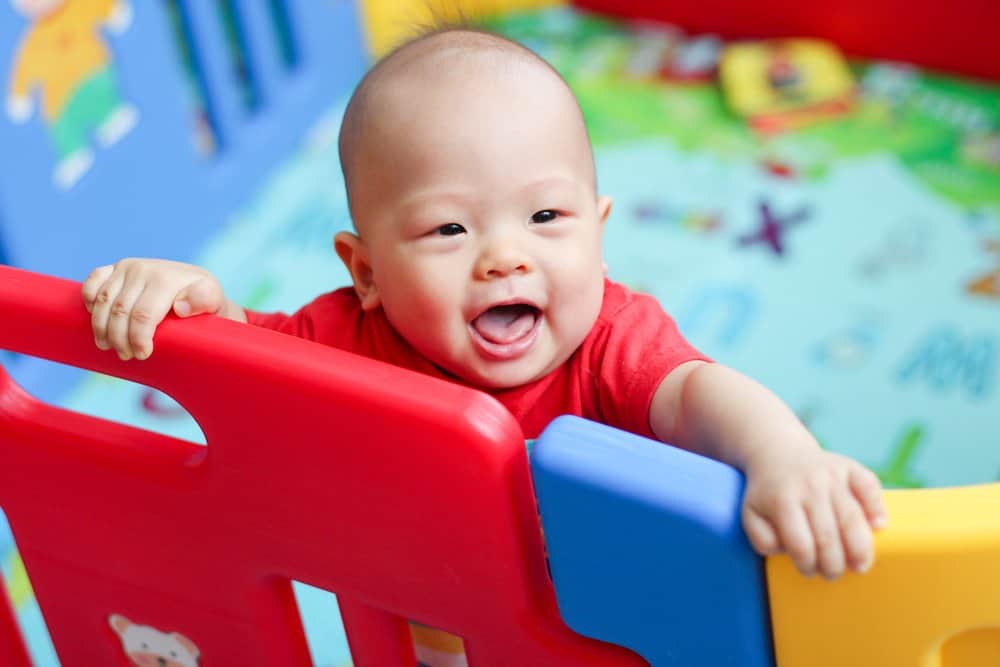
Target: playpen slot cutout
column 242, row 65
column 27, row 614
column 115, row 400
column 436, row 647
column 205, row 126
column 283, row 33
column 321, row 621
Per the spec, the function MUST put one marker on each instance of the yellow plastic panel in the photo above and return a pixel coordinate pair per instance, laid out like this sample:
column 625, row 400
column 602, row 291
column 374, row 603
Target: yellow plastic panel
column 931, row 600
column 387, row 22
column 975, row 647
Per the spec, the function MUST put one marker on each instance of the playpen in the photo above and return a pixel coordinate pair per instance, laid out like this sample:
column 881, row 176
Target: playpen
column 408, row 497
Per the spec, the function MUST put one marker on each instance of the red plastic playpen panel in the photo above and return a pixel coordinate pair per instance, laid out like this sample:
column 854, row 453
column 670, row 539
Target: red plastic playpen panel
column 407, row 496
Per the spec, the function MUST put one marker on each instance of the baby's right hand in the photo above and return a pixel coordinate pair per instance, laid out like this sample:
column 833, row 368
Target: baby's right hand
column 128, row 300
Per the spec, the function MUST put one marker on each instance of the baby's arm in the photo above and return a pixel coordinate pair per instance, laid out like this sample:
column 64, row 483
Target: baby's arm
column 129, row 299
column 817, row 506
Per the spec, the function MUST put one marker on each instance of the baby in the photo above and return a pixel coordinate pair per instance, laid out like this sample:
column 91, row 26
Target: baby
column 477, row 258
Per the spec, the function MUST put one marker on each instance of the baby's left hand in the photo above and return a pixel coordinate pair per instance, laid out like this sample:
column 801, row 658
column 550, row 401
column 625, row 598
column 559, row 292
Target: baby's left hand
column 818, row 507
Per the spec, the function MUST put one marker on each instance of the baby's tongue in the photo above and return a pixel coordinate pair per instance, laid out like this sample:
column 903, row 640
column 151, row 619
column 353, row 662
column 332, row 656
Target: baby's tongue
column 505, row 324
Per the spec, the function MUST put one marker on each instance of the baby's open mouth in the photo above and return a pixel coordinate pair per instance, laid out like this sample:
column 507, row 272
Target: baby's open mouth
column 507, row 331
column 506, row 324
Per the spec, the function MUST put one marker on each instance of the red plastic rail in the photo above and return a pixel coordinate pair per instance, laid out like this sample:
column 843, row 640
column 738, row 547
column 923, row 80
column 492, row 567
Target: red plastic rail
column 409, row 497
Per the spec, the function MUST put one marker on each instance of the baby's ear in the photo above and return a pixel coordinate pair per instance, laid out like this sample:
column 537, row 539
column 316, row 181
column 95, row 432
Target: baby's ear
column 603, row 208
column 354, row 254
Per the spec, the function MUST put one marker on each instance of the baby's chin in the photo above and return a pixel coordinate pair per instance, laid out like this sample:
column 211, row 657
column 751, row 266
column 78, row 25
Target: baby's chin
column 501, row 375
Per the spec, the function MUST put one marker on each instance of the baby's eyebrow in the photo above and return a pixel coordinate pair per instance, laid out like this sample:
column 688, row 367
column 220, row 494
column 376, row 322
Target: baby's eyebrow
column 553, row 183
column 426, row 202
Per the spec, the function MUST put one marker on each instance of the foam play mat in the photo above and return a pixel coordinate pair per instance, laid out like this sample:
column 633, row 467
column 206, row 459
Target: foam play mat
column 852, row 265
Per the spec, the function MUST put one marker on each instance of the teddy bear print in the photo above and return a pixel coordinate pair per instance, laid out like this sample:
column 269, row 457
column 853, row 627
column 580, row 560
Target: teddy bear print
column 148, row 647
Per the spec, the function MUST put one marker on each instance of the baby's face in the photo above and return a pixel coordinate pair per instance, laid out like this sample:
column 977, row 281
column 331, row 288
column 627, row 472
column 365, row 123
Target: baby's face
column 478, row 209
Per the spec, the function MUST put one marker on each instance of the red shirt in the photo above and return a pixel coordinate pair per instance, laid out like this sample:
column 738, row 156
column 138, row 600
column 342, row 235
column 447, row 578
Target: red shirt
column 610, row 378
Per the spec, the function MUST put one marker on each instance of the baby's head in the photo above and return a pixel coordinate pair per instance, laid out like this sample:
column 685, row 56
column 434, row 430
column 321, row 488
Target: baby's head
column 471, row 184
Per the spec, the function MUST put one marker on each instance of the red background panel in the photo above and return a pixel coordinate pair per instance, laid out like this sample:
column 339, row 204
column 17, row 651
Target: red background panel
column 962, row 36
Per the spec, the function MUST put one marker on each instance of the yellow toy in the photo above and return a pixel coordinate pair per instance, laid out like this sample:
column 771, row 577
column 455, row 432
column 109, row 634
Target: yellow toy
column 931, row 600
column 781, row 84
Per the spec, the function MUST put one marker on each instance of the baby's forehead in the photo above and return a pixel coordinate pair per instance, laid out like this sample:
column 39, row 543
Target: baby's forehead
column 465, row 62
column 445, row 78
column 468, row 78
column 468, row 42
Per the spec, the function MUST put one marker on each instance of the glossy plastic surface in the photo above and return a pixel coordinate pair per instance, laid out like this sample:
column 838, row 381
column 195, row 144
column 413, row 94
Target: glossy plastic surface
column 932, row 598
column 407, row 496
column 646, row 547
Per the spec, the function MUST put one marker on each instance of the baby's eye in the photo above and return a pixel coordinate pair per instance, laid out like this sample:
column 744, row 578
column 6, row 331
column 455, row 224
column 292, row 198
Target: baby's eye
column 451, row 229
column 547, row 215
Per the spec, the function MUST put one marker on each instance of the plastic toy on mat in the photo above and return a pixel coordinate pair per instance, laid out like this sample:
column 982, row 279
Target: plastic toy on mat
column 784, row 84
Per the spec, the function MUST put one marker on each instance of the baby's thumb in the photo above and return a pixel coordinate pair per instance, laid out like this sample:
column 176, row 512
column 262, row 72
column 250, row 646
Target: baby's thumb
column 204, row 296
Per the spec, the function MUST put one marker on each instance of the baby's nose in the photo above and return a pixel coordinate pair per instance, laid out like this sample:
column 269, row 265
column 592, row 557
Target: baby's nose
column 502, row 269
column 501, row 260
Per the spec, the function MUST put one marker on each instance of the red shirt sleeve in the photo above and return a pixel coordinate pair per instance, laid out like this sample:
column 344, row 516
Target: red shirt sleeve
column 266, row 320
column 328, row 319
column 635, row 347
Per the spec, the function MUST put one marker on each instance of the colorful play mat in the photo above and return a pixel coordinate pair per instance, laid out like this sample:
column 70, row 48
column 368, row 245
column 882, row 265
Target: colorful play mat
column 853, row 266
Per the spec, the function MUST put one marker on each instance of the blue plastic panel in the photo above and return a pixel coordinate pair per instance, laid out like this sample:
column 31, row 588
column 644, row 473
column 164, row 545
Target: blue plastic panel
column 152, row 193
column 646, row 548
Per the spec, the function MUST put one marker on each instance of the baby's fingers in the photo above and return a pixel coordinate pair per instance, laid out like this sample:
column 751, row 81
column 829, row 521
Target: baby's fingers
column 826, row 533
column 797, row 538
column 149, row 310
column 868, row 490
column 93, row 283
column 202, row 296
column 121, row 317
column 855, row 532
column 760, row 533
column 100, row 310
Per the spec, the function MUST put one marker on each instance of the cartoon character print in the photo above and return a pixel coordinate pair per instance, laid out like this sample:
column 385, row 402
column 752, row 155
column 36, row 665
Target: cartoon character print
column 64, row 62
column 148, row 647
